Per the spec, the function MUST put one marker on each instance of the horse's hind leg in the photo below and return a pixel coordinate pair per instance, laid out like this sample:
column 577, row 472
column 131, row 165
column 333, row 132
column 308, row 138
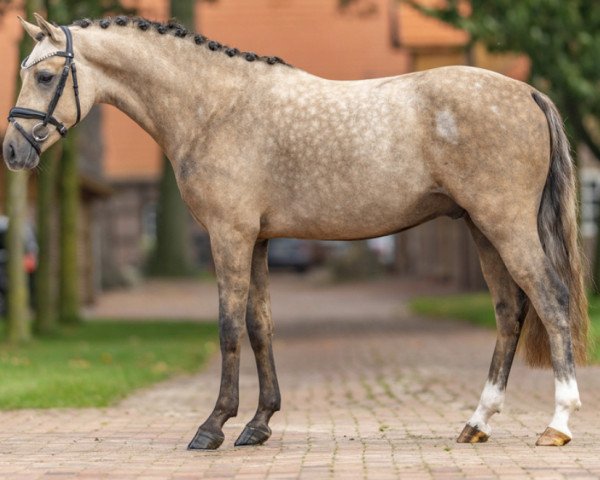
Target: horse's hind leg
column 510, row 305
column 520, row 247
column 260, row 330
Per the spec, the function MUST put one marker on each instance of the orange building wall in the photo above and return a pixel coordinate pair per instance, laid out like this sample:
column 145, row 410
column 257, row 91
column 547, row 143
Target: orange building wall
column 310, row 34
column 130, row 153
column 10, row 34
column 419, row 31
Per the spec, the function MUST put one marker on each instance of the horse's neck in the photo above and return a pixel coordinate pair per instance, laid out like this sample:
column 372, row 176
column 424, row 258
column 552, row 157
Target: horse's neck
column 169, row 86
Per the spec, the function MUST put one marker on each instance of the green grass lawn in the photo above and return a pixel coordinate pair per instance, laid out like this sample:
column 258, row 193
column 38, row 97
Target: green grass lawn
column 477, row 308
column 99, row 362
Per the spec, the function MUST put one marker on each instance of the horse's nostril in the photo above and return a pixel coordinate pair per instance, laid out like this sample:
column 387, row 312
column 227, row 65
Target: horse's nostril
column 11, row 152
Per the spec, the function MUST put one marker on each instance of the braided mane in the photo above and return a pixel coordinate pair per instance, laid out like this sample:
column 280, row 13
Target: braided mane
column 179, row 31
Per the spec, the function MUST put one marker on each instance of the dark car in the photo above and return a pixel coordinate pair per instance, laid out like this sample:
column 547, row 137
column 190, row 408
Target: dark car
column 30, row 260
column 290, row 253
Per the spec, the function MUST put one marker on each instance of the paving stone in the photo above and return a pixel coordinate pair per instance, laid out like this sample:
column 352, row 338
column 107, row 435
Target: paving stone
column 364, row 396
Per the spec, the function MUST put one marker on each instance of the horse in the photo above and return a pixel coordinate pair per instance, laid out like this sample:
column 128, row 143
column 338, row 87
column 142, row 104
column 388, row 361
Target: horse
column 262, row 150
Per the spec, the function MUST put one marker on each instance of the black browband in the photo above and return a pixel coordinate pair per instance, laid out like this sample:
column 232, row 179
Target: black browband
column 39, row 132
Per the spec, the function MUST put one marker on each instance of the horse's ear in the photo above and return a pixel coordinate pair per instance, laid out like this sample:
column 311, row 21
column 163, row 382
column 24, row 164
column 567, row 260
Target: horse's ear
column 32, row 30
column 54, row 33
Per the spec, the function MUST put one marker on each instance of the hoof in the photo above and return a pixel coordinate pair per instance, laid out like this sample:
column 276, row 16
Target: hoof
column 204, row 440
column 472, row 435
column 552, row 438
column 253, row 436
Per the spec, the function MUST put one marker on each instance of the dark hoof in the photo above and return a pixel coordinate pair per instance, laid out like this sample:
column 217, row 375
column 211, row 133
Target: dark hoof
column 253, row 436
column 204, row 440
column 553, row 438
column 472, row 435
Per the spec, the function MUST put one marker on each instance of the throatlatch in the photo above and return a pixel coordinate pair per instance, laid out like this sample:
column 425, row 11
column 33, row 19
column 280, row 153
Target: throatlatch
column 39, row 132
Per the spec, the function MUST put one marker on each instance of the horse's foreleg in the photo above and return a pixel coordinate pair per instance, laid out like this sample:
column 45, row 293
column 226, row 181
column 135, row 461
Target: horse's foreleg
column 232, row 253
column 260, row 330
column 510, row 307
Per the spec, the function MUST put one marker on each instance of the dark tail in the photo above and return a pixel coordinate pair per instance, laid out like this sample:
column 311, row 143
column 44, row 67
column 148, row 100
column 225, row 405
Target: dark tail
column 558, row 230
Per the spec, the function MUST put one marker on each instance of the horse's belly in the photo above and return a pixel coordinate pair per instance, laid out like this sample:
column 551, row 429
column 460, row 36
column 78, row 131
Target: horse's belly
column 357, row 216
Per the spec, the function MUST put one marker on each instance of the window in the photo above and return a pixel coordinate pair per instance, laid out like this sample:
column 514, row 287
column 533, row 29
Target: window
column 590, row 201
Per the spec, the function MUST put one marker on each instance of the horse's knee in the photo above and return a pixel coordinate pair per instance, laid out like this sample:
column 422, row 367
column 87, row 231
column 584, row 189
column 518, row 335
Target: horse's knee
column 260, row 337
column 260, row 328
column 230, row 336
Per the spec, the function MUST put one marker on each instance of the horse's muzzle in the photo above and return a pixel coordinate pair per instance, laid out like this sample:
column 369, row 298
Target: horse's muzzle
column 19, row 155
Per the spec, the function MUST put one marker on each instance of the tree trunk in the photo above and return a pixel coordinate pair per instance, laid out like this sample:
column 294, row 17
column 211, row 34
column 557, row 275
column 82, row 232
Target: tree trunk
column 68, row 281
column 18, row 315
column 171, row 255
column 45, row 313
column 69, row 210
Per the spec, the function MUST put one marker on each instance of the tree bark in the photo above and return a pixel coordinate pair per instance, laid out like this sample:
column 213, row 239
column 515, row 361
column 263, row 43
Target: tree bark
column 18, row 314
column 68, row 281
column 69, row 303
column 45, row 306
column 171, row 256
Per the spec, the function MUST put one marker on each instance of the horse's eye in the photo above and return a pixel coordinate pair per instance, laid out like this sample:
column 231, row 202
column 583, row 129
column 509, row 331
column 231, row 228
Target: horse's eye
column 44, row 77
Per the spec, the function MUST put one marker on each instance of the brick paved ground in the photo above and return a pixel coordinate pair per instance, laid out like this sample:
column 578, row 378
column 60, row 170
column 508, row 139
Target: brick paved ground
column 379, row 398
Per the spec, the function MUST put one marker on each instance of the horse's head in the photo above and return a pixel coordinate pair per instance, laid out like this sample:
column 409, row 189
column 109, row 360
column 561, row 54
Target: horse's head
column 49, row 102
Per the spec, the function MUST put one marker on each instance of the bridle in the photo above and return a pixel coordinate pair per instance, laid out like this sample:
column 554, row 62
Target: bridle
column 39, row 132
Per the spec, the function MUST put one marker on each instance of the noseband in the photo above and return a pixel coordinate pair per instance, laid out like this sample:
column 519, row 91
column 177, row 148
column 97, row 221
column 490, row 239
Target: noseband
column 39, row 132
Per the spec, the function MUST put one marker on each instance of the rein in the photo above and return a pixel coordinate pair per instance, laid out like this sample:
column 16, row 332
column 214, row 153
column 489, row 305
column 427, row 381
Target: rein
column 39, row 132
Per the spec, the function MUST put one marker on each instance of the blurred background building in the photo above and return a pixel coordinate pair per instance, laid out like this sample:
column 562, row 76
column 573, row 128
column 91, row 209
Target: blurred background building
column 120, row 168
